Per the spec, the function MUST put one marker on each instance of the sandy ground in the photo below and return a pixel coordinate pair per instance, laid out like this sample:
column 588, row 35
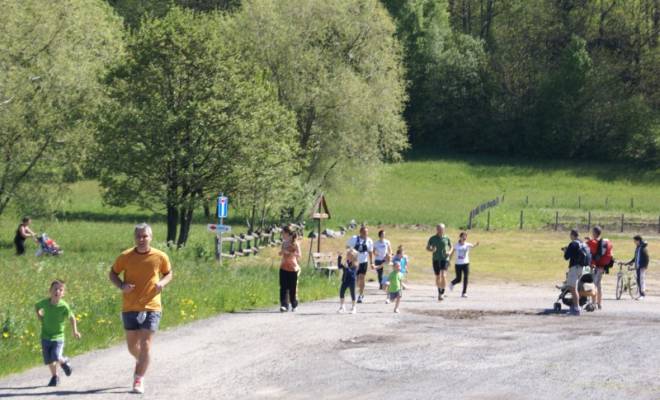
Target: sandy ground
column 500, row 343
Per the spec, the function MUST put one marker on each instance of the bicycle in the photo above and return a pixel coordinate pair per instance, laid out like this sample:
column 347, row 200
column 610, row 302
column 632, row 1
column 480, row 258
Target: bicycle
column 625, row 280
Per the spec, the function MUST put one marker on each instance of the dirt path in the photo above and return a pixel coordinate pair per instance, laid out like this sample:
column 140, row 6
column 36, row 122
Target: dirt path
column 497, row 344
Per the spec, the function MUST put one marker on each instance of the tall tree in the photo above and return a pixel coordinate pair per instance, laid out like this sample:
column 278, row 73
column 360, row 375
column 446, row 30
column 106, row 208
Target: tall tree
column 185, row 120
column 51, row 56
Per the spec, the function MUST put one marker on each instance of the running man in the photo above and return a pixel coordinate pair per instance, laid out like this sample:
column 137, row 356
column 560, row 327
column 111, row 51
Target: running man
column 365, row 248
column 146, row 271
column 440, row 245
column 383, row 253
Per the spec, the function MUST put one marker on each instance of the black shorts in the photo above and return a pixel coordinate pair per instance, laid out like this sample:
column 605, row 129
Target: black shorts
column 132, row 323
column 362, row 268
column 440, row 265
column 379, row 263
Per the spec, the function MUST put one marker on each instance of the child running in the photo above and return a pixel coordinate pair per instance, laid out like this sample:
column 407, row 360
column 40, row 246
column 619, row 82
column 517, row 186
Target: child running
column 348, row 279
column 394, row 286
column 402, row 258
column 462, row 265
column 53, row 313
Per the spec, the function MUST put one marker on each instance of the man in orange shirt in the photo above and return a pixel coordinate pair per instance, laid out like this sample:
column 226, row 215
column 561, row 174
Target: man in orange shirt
column 146, row 271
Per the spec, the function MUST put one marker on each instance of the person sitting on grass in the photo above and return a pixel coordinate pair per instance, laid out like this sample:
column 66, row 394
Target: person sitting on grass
column 394, row 286
column 348, row 279
column 53, row 312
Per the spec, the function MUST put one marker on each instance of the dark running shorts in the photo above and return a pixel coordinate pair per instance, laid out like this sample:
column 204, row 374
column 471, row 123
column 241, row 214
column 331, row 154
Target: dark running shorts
column 379, row 263
column 362, row 268
column 132, row 322
column 51, row 350
column 440, row 265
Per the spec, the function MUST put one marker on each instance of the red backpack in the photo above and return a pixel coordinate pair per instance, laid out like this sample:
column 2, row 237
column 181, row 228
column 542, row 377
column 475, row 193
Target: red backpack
column 603, row 255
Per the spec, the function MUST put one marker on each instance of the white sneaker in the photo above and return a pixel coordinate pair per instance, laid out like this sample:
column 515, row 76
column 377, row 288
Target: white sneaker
column 341, row 310
column 138, row 385
column 464, row 295
column 387, row 300
column 396, row 310
column 353, row 310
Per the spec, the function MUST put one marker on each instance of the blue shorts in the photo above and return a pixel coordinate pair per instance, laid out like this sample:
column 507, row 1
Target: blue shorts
column 394, row 295
column 133, row 321
column 52, row 350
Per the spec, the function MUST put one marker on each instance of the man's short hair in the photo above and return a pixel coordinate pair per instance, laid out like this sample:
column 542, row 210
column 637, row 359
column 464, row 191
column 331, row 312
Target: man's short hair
column 143, row 227
column 56, row 282
column 575, row 233
column 638, row 238
column 597, row 230
column 440, row 226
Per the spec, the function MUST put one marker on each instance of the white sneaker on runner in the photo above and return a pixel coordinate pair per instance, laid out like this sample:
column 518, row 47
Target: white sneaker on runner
column 341, row 310
column 138, row 385
column 354, row 310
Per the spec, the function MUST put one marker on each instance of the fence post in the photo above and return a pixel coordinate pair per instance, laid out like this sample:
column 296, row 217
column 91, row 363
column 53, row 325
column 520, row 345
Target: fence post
column 607, row 200
column 527, row 200
column 579, row 201
column 470, row 221
column 488, row 222
column 632, row 202
column 553, row 201
column 589, row 222
column 622, row 220
column 556, row 219
column 521, row 219
column 659, row 224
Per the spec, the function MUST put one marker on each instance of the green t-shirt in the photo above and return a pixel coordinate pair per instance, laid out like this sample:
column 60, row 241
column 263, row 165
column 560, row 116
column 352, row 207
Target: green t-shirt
column 442, row 245
column 55, row 317
column 395, row 281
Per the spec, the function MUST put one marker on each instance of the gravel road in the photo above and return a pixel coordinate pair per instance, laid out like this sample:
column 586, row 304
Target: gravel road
column 500, row 343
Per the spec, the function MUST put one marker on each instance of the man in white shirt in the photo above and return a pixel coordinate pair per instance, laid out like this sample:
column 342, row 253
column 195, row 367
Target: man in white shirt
column 365, row 248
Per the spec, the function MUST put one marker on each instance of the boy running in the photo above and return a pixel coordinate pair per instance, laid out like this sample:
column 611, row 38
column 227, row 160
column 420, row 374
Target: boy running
column 394, row 288
column 53, row 313
column 348, row 279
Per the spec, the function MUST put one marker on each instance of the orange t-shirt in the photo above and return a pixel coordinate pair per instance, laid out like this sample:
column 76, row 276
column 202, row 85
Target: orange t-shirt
column 290, row 255
column 143, row 271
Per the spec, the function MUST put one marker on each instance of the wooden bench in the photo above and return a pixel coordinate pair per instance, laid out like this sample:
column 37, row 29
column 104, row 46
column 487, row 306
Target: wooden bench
column 325, row 262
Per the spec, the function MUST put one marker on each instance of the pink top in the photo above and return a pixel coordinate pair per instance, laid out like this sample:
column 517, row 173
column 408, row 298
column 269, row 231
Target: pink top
column 290, row 255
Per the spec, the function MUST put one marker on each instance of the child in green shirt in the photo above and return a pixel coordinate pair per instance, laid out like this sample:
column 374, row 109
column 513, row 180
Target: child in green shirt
column 53, row 313
column 394, row 287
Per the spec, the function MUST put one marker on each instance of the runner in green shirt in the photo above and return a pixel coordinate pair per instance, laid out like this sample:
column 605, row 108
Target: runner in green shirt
column 440, row 245
column 53, row 313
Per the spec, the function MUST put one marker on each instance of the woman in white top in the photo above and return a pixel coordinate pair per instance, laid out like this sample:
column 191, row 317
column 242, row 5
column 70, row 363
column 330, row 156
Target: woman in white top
column 462, row 264
column 382, row 254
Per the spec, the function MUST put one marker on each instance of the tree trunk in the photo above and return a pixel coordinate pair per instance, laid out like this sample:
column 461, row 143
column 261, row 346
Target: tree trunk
column 172, row 216
column 186, row 214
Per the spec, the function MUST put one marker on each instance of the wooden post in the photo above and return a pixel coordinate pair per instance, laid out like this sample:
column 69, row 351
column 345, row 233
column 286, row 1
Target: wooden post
column 589, row 221
column 607, row 200
column 470, row 221
column 579, row 201
column 553, row 201
column 318, row 241
column 632, row 202
column 521, row 219
column 527, row 200
column 659, row 224
column 488, row 222
column 556, row 219
column 622, row 220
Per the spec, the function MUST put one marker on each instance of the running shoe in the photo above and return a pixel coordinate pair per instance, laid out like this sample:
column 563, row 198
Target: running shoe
column 640, row 297
column 360, row 298
column 66, row 367
column 138, row 385
column 439, row 297
column 396, row 310
column 353, row 310
column 54, row 381
column 387, row 300
column 341, row 310
column 283, row 309
column 464, row 295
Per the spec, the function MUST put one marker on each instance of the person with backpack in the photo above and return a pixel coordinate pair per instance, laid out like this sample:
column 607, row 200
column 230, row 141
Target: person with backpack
column 641, row 262
column 364, row 246
column 576, row 254
column 601, row 259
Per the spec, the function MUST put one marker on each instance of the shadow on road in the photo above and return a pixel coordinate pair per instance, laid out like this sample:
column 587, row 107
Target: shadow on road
column 109, row 390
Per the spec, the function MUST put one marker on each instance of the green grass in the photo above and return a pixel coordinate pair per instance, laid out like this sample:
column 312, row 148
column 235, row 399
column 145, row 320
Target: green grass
column 431, row 191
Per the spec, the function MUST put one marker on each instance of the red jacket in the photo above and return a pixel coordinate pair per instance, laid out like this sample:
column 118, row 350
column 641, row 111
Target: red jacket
column 597, row 259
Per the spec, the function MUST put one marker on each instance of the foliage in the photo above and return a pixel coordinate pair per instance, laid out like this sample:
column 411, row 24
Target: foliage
column 51, row 55
column 187, row 118
column 134, row 11
column 336, row 65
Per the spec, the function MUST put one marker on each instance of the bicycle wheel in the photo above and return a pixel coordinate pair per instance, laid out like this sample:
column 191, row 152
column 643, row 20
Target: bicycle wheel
column 632, row 288
column 619, row 287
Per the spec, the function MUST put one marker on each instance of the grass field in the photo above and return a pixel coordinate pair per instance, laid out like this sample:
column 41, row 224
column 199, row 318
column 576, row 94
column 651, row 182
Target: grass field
column 429, row 191
column 417, row 192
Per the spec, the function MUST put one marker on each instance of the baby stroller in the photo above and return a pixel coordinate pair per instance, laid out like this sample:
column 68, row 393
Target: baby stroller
column 47, row 246
column 586, row 290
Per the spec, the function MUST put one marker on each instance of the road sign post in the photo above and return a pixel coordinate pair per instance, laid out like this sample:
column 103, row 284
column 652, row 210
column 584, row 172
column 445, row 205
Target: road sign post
column 222, row 211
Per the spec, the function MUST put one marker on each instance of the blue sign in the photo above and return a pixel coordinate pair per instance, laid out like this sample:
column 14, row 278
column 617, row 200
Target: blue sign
column 223, row 205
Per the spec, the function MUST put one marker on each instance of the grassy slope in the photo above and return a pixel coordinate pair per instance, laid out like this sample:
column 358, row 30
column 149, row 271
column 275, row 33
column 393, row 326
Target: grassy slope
column 427, row 192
